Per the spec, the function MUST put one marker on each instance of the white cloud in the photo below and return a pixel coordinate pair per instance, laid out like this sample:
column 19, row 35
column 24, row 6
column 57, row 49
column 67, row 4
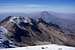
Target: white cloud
column 21, row 8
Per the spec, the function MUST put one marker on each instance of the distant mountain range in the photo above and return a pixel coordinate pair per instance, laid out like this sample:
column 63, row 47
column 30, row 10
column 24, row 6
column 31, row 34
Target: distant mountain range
column 65, row 20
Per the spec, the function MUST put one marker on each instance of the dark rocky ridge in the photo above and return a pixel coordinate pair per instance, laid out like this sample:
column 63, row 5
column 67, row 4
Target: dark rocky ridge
column 38, row 33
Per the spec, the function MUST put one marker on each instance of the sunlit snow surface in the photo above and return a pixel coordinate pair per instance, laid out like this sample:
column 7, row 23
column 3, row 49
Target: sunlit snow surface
column 42, row 47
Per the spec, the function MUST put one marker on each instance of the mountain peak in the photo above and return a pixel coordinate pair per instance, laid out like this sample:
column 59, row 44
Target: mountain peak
column 26, row 31
column 44, row 13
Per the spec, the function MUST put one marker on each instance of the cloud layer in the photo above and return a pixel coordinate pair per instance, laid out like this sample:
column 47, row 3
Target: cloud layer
column 28, row 8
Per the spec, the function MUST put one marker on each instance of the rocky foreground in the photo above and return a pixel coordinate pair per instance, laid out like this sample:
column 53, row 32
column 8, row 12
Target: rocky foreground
column 26, row 31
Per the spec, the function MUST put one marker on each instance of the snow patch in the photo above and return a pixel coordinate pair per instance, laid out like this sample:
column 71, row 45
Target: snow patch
column 43, row 47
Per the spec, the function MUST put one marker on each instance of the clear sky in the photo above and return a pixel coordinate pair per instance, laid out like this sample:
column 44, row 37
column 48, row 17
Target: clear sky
column 27, row 6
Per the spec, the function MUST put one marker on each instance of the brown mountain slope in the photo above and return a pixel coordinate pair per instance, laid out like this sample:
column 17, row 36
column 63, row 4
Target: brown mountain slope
column 37, row 33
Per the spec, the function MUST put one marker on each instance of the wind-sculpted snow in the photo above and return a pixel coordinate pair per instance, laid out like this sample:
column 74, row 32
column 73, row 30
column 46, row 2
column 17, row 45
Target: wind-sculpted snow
column 2, row 34
column 4, row 41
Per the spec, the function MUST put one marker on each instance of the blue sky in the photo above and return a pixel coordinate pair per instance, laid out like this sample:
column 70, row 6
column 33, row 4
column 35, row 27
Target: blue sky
column 27, row 6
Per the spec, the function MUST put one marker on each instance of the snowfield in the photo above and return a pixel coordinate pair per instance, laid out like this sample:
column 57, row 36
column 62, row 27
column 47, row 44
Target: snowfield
column 42, row 47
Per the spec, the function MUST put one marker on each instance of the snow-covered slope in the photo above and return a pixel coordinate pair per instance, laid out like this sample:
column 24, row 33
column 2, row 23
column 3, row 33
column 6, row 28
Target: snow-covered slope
column 42, row 47
column 4, row 40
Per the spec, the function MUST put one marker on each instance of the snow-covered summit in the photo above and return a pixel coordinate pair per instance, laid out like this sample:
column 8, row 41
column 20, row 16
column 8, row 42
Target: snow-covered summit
column 18, row 19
